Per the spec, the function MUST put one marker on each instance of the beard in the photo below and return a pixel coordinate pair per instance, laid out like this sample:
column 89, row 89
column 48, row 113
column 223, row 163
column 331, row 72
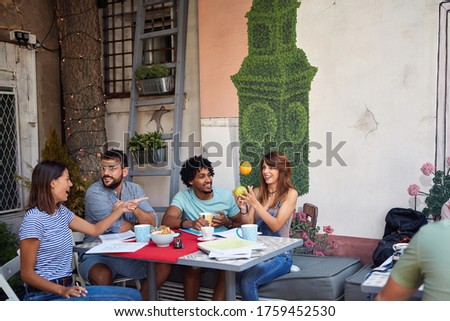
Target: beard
column 206, row 190
column 113, row 184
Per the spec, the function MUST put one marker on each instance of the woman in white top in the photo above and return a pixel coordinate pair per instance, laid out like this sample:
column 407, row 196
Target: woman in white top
column 271, row 206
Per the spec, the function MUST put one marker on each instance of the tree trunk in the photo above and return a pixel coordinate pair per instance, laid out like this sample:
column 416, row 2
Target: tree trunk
column 82, row 80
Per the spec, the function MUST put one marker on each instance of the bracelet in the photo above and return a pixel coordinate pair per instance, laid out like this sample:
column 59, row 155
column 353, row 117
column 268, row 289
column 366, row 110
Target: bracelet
column 181, row 222
column 231, row 225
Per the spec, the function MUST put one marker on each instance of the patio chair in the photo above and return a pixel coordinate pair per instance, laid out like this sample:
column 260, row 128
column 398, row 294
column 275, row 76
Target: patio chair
column 8, row 270
column 312, row 213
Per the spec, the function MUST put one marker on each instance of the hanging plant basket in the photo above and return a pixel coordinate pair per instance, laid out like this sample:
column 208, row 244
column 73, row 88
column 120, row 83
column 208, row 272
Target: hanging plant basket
column 155, row 86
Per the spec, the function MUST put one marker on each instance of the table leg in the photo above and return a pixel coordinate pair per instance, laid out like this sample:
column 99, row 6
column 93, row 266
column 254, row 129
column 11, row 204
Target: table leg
column 151, row 280
column 230, row 286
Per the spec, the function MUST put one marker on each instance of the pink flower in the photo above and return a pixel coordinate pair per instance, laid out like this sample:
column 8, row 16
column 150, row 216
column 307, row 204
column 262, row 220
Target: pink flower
column 427, row 169
column 304, row 235
column 302, row 216
column 328, row 229
column 309, row 244
column 413, row 190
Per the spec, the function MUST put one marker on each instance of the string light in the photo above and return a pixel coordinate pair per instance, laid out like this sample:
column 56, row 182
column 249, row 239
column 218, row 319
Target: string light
column 84, row 111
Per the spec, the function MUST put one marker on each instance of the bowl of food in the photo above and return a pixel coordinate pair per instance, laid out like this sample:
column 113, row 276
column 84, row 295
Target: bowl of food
column 163, row 236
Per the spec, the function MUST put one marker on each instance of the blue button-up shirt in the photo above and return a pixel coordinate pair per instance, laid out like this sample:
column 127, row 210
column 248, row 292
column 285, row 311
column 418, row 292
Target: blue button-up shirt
column 100, row 201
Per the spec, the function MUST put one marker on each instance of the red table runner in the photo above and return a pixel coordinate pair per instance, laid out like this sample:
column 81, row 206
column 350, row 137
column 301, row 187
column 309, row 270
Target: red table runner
column 165, row 254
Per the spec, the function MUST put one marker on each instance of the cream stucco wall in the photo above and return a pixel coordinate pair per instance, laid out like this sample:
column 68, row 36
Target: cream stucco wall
column 375, row 90
column 374, row 93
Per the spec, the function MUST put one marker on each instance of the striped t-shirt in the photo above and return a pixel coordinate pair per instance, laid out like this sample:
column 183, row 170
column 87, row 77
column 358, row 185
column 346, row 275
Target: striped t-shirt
column 54, row 256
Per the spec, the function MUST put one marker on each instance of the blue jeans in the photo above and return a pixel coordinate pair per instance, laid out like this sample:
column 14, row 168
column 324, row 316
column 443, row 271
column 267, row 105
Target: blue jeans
column 249, row 280
column 95, row 293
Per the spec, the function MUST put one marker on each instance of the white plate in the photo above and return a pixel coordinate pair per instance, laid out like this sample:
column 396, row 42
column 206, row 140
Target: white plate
column 201, row 239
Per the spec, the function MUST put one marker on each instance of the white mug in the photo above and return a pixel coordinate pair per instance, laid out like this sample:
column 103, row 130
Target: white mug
column 249, row 232
column 400, row 247
column 142, row 232
column 207, row 232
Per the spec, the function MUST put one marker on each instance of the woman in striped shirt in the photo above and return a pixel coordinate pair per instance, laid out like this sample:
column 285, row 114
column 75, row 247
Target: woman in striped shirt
column 46, row 241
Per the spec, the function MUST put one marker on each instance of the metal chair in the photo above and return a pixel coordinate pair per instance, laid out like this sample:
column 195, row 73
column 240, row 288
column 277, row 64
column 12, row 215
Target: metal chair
column 312, row 212
column 8, row 270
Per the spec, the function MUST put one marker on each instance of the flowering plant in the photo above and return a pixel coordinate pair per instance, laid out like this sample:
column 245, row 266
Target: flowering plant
column 438, row 194
column 313, row 242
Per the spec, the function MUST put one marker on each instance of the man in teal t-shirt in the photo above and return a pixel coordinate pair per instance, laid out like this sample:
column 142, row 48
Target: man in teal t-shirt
column 426, row 261
column 221, row 203
column 197, row 174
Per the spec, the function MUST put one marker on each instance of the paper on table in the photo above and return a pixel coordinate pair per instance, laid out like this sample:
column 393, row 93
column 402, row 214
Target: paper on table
column 118, row 247
column 230, row 246
column 192, row 231
column 243, row 255
column 227, row 233
column 116, row 237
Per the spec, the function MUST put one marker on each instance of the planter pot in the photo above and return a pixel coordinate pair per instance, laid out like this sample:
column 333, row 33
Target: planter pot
column 156, row 86
column 142, row 157
column 159, row 155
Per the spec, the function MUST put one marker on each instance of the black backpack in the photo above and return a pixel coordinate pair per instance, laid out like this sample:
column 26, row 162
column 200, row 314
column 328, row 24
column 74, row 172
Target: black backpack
column 401, row 225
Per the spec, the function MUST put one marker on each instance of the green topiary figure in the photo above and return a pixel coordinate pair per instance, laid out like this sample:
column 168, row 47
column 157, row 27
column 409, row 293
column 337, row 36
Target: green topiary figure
column 273, row 87
column 53, row 150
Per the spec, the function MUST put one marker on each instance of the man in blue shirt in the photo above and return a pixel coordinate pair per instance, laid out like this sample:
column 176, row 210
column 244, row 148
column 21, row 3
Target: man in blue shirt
column 102, row 198
column 183, row 212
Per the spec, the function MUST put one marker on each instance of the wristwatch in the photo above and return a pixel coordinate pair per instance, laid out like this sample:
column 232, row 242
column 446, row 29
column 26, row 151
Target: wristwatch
column 181, row 222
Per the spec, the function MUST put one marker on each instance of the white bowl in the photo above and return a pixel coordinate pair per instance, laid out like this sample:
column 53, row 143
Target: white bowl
column 163, row 240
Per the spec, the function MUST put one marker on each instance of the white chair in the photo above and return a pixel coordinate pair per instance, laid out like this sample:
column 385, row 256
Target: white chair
column 8, row 270
column 78, row 237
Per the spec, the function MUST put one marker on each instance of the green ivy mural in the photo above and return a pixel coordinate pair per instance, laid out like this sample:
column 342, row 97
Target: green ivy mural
column 273, row 87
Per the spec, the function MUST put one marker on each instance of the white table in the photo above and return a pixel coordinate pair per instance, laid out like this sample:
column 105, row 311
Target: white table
column 275, row 246
column 378, row 278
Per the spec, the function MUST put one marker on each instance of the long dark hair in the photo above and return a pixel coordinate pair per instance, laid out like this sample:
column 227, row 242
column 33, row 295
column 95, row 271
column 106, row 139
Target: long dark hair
column 278, row 160
column 41, row 192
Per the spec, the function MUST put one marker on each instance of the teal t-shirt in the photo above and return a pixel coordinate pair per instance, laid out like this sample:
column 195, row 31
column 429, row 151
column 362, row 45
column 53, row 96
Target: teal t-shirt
column 191, row 205
column 427, row 260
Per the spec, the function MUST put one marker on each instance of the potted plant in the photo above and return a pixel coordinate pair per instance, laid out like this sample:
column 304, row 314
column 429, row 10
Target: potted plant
column 314, row 243
column 139, row 147
column 148, row 148
column 158, row 147
column 153, row 79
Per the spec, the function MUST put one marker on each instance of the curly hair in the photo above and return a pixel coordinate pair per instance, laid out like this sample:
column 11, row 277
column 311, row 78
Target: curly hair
column 192, row 166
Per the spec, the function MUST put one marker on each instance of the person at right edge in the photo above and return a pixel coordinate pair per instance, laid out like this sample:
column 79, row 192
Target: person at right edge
column 425, row 261
column 271, row 207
